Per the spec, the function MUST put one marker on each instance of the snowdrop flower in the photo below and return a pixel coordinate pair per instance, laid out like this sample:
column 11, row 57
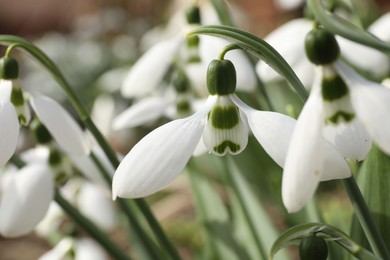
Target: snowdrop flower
column 345, row 109
column 289, row 40
column 14, row 111
column 190, row 56
column 26, row 196
column 289, row 4
column 223, row 121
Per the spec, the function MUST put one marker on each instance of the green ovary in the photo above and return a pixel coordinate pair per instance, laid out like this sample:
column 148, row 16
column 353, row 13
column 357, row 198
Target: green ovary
column 224, row 117
column 227, row 145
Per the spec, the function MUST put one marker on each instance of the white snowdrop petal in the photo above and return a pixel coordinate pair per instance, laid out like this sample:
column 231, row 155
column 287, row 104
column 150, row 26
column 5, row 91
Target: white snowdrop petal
column 144, row 111
column 95, row 203
column 86, row 248
column 9, row 131
column 289, row 4
column 371, row 102
column 26, row 197
column 369, row 59
column 304, row 162
column 60, row 251
column 273, row 131
column 351, row 139
column 61, row 125
column 196, row 73
column 288, row 40
column 147, row 73
column 335, row 167
column 225, row 131
column 380, row 28
column 159, row 157
column 5, row 90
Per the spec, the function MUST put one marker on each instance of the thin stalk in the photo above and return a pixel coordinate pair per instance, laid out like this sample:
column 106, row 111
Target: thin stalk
column 366, row 221
column 84, row 116
column 91, row 228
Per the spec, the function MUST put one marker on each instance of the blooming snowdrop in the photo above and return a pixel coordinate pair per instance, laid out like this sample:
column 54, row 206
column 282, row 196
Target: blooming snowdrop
column 223, row 121
column 344, row 108
column 25, row 197
column 14, row 111
column 189, row 59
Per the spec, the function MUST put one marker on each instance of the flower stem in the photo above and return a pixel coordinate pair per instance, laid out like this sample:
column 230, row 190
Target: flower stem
column 84, row 116
column 92, row 230
column 363, row 213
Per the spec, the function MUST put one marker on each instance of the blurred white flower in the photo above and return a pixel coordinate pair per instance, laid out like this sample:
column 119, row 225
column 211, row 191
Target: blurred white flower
column 26, row 196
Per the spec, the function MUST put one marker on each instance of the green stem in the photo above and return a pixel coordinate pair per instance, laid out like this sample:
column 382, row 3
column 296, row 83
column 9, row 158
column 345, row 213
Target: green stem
column 226, row 49
column 84, row 116
column 363, row 213
column 91, row 228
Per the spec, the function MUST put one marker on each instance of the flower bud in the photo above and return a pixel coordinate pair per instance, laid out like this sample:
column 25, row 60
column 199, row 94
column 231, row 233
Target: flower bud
column 321, row 47
column 221, row 77
column 9, row 68
column 313, row 247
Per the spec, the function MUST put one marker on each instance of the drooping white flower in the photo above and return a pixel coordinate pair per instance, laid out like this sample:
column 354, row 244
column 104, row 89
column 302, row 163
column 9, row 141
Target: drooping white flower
column 26, row 196
column 223, row 121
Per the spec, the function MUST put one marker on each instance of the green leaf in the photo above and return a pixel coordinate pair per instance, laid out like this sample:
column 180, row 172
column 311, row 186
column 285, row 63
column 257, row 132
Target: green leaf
column 257, row 47
column 254, row 227
column 374, row 181
column 214, row 217
column 344, row 28
column 293, row 236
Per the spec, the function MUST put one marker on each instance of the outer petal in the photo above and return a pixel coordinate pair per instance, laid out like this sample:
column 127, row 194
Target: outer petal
column 380, row 28
column 95, row 203
column 160, row 156
column 304, row 162
column 350, row 139
column 371, row 102
column 142, row 112
column 61, row 125
column 26, row 197
column 371, row 60
column 288, row 40
column 148, row 72
column 9, row 131
column 272, row 130
column 87, row 248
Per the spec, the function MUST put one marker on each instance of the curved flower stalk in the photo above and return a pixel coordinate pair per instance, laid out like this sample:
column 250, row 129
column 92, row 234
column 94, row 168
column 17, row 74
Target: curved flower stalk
column 223, row 121
column 26, row 196
column 75, row 248
column 14, row 111
column 289, row 40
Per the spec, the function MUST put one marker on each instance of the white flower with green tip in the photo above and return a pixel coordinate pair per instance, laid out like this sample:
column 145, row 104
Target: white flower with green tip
column 223, row 121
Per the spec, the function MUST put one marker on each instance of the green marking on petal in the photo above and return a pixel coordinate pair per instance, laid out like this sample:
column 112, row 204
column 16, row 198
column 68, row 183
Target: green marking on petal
column 340, row 116
column 227, row 144
column 183, row 106
column 17, row 98
column 333, row 88
column 224, row 117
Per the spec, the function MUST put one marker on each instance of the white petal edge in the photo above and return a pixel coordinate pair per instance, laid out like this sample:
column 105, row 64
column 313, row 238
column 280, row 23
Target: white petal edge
column 9, row 131
column 304, row 161
column 371, row 102
column 351, row 139
column 335, row 167
column 147, row 73
column 160, row 156
column 272, row 130
column 144, row 111
column 61, row 125
column 26, row 198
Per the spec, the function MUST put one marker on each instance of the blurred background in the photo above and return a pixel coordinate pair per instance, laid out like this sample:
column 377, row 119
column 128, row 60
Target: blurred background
column 88, row 38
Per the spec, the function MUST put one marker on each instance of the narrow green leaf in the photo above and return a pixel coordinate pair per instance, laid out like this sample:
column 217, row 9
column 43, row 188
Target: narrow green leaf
column 254, row 226
column 214, row 217
column 344, row 28
column 374, row 181
column 257, row 47
column 293, row 236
